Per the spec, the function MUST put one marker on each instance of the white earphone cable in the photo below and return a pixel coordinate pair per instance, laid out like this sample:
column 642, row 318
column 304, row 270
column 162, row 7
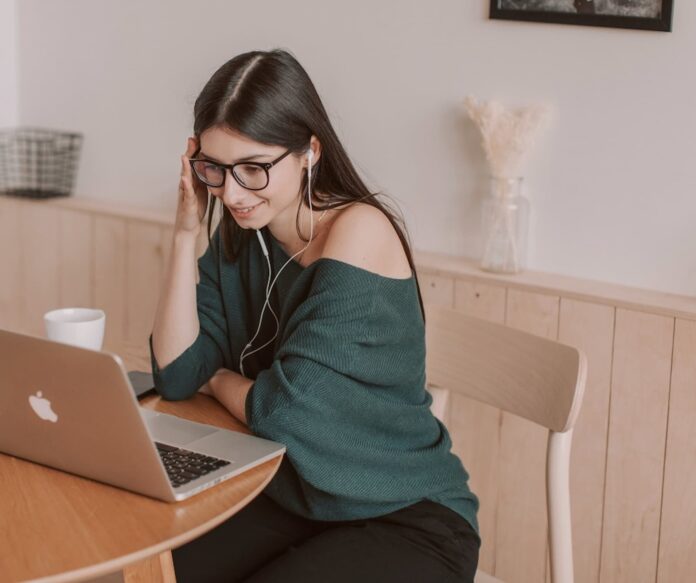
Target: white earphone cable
column 310, row 156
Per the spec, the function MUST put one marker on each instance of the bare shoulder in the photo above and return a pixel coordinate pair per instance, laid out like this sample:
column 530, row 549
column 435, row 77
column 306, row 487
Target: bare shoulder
column 363, row 236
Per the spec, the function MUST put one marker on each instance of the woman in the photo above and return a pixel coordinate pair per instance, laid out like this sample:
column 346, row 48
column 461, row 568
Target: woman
column 307, row 324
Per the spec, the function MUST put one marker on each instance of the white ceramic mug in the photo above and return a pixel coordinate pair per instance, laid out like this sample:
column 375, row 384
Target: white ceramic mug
column 82, row 327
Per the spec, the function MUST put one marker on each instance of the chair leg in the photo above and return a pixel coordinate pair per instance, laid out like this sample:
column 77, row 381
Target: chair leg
column 558, row 506
column 155, row 569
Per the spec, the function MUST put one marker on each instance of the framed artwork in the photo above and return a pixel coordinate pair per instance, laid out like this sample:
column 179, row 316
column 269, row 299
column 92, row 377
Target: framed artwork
column 642, row 14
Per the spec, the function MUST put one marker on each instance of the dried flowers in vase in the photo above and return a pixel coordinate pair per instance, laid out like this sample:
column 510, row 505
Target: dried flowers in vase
column 507, row 137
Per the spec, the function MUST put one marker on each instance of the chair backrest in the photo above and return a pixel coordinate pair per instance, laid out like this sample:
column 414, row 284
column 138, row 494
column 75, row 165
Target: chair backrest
column 539, row 379
column 536, row 378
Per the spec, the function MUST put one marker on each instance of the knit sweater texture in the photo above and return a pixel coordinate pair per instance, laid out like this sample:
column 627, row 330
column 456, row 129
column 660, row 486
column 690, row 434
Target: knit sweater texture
column 342, row 385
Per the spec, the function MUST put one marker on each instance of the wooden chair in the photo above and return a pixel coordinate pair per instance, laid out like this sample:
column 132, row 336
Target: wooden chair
column 533, row 377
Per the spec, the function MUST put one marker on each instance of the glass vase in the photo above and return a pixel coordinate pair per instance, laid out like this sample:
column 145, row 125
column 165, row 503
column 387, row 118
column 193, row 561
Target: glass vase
column 505, row 222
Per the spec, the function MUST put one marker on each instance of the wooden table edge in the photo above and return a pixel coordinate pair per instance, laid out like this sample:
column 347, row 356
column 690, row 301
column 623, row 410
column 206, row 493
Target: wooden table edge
column 134, row 559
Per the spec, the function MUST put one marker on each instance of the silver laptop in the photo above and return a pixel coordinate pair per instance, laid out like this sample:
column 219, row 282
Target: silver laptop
column 74, row 409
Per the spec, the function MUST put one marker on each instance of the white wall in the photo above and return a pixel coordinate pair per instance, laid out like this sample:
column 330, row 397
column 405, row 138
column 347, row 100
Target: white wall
column 612, row 183
column 9, row 103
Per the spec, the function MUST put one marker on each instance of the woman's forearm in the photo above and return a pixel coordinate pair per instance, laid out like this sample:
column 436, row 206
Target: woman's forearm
column 176, row 319
column 231, row 389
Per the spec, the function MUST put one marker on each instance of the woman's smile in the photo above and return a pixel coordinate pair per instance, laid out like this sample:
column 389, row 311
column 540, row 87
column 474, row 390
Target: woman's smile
column 244, row 212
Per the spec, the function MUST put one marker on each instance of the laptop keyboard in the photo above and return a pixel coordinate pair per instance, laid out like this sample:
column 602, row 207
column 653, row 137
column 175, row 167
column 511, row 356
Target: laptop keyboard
column 184, row 466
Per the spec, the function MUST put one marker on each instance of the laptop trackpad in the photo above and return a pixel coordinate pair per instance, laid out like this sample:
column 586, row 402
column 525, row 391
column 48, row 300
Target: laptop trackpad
column 171, row 429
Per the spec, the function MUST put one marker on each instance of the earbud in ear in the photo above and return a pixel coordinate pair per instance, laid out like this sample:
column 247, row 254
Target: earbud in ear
column 310, row 154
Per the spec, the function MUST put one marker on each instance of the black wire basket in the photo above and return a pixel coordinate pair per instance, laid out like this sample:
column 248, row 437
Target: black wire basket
column 38, row 162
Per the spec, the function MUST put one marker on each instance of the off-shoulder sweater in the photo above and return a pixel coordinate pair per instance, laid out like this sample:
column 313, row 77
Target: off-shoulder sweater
column 342, row 386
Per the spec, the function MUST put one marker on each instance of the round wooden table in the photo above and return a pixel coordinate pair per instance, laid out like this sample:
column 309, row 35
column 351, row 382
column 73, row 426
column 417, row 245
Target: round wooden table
column 56, row 527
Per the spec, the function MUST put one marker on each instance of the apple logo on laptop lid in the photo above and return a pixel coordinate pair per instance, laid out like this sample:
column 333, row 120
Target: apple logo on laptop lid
column 42, row 407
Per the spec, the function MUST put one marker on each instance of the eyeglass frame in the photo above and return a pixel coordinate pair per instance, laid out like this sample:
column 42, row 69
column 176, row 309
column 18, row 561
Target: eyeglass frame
column 266, row 166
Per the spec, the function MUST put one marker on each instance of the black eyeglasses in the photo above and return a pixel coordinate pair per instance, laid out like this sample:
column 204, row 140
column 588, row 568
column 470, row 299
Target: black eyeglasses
column 250, row 175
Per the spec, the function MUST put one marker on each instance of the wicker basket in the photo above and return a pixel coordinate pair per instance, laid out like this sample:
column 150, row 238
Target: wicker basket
column 38, row 162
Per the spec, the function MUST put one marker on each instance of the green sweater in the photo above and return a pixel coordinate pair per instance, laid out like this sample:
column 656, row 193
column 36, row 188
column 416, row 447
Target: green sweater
column 342, row 386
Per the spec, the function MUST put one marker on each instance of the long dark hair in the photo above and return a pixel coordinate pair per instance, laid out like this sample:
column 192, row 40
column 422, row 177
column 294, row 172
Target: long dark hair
column 268, row 96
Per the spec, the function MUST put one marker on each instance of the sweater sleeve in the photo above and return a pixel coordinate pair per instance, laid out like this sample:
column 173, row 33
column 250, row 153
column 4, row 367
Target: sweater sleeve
column 181, row 378
column 343, row 393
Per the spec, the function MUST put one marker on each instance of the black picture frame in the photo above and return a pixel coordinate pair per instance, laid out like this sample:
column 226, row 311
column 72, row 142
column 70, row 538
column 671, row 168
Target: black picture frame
column 662, row 24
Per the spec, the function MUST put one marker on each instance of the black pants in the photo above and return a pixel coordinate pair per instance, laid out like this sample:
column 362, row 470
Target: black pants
column 264, row 543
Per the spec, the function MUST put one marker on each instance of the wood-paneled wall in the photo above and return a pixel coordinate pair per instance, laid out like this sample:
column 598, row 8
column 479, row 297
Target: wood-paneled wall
column 633, row 468
column 633, row 465
column 62, row 253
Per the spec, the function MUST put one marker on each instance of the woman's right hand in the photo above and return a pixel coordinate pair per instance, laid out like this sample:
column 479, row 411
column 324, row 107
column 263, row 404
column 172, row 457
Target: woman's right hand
column 193, row 195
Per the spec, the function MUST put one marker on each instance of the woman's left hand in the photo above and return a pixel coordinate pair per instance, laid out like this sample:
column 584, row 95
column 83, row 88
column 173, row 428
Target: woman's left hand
column 209, row 387
column 230, row 389
column 206, row 389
